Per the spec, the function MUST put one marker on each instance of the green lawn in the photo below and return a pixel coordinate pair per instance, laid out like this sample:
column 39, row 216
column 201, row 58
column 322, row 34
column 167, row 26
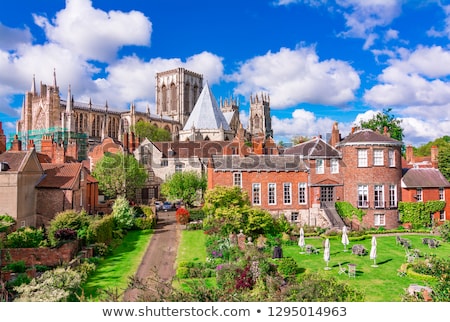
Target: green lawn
column 380, row 284
column 113, row 272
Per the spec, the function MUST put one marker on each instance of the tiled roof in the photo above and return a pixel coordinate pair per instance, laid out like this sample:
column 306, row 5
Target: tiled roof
column 259, row 163
column 14, row 159
column 62, row 176
column 315, row 148
column 366, row 136
column 187, row 149
column 423, row 178
column 206, row 113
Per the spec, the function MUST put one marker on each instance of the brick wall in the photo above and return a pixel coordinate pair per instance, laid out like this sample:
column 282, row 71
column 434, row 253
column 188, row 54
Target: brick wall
column 41, row 256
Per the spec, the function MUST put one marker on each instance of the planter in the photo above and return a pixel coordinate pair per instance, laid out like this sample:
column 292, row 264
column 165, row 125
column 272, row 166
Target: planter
column 407, row 225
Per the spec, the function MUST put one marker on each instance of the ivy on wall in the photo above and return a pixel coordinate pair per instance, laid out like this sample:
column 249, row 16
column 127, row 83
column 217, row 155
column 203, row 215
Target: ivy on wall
column 346, row 210
column 419, row 213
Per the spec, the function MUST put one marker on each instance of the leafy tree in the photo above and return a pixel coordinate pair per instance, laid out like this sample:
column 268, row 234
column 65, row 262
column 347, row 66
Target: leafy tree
column 444, row 162
column 184, row 185
column 119, row 174
column 150, row 131
column 299, row 139
column 123, row 213
column 385, row 119
column 221, row 196
column 425, row 149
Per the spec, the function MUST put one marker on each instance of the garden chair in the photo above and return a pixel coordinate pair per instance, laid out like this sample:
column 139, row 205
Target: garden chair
column 342, row 269
column 310, row 249
column 351, row 270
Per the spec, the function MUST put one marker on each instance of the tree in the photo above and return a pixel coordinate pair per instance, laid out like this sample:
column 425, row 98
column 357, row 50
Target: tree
column 383, row 120
column 444, row 162
column 185, row 185
column 150, row 131
column 119, row 174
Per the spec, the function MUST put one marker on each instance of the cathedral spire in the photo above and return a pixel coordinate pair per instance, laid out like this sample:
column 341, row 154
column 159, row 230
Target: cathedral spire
column 54, row 78
column 69, row 101
column 33, row 86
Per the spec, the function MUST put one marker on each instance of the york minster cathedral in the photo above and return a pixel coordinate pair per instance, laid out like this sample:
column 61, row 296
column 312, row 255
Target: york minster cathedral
column 185, row 106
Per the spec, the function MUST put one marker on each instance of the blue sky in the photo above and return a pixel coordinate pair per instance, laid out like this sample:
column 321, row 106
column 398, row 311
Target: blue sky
column 319, row 61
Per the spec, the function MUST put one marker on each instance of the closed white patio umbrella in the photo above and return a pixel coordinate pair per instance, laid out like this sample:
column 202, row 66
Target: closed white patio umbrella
column 373, row 251
column 344, row 239
column 326, row 253
column 301, row 240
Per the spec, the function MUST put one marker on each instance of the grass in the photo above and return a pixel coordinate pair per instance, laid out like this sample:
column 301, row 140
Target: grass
column 192, row 247
column 113, row 272
column 380, row 284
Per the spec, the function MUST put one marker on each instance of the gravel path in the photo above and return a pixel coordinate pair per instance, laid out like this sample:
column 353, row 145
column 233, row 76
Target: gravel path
column 160, row 254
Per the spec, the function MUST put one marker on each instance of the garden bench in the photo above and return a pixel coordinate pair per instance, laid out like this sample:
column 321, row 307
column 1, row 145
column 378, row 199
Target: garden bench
column 433, row 243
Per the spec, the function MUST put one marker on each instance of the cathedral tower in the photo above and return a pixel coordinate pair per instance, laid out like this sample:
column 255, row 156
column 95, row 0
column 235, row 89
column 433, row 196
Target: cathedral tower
column 177, row 91
column 260, row 121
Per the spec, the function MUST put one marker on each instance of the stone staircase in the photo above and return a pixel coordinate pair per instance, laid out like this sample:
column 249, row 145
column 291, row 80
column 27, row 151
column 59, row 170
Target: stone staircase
column 332, row 215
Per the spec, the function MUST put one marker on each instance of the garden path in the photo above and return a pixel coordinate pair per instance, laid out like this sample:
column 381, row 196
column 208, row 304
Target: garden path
column 161, row 253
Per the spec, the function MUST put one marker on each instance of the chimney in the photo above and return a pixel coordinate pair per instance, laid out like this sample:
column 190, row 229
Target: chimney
column 434, row 156
column 2, row 140
column 60, row 153
column 16, row 144
column 72, row 150
column 47, row 146
column 335, row 136
column 409, row 154
column 30, row 144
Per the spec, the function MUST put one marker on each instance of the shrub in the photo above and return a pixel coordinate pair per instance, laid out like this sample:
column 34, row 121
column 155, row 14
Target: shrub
column 100, row 230
column 16, row 267
column 144, row 217
column 68, row 219
column 182, row 216
column 65, row 234
column 123, row 214
column 287, row 267
column 444, row 231
column 25, row 237
column 6, row 222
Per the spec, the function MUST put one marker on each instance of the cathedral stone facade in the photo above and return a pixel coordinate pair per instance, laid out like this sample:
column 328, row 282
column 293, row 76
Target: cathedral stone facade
column 45, row 113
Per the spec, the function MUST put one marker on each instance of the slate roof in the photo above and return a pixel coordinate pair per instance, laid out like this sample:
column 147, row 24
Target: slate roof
column 14, row 159
column 366, row 136
column 258, row 163
column 206, row 113
column 61, row 176
column 424, row 178
column 187, row 149
column 315, row 148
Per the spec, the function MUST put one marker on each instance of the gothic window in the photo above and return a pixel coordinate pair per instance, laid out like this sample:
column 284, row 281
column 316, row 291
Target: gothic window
column 187, row 106
column 257, row 122
column 164, row 98
column 126, row 125
column 173, row 97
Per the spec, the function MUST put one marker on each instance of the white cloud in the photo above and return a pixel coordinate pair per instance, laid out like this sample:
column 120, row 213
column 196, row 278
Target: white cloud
column 13, row 37
column 297, row 76
column 302, row 123
column 95, row 34
column 416, row 78
column 363, row 17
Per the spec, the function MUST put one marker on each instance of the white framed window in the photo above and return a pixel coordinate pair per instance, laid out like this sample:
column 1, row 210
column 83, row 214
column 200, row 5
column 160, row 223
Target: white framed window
column 442, row 215
column 179, row 167
column 392, row 196
column 419, row 194
column 391, row 158
column 256, row 193
column 294, row 216
column 362, row 157
column 302, row 193
column 363, row 196
column 237, row 179
column 320, row 166
column 287, row 193
column 441, row 194
column 378, row 196
column 378, row 157
column 334, row 165
column 272, row 193
column 379, row 219
column 164, row 163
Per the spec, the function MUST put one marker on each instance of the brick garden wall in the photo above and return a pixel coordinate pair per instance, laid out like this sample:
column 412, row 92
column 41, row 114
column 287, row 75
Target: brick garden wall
column 41, row 256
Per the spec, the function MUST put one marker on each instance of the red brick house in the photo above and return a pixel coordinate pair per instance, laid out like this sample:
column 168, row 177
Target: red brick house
column 64, row 186
column 372, row 172
column 277, row 183
column 426, row 184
